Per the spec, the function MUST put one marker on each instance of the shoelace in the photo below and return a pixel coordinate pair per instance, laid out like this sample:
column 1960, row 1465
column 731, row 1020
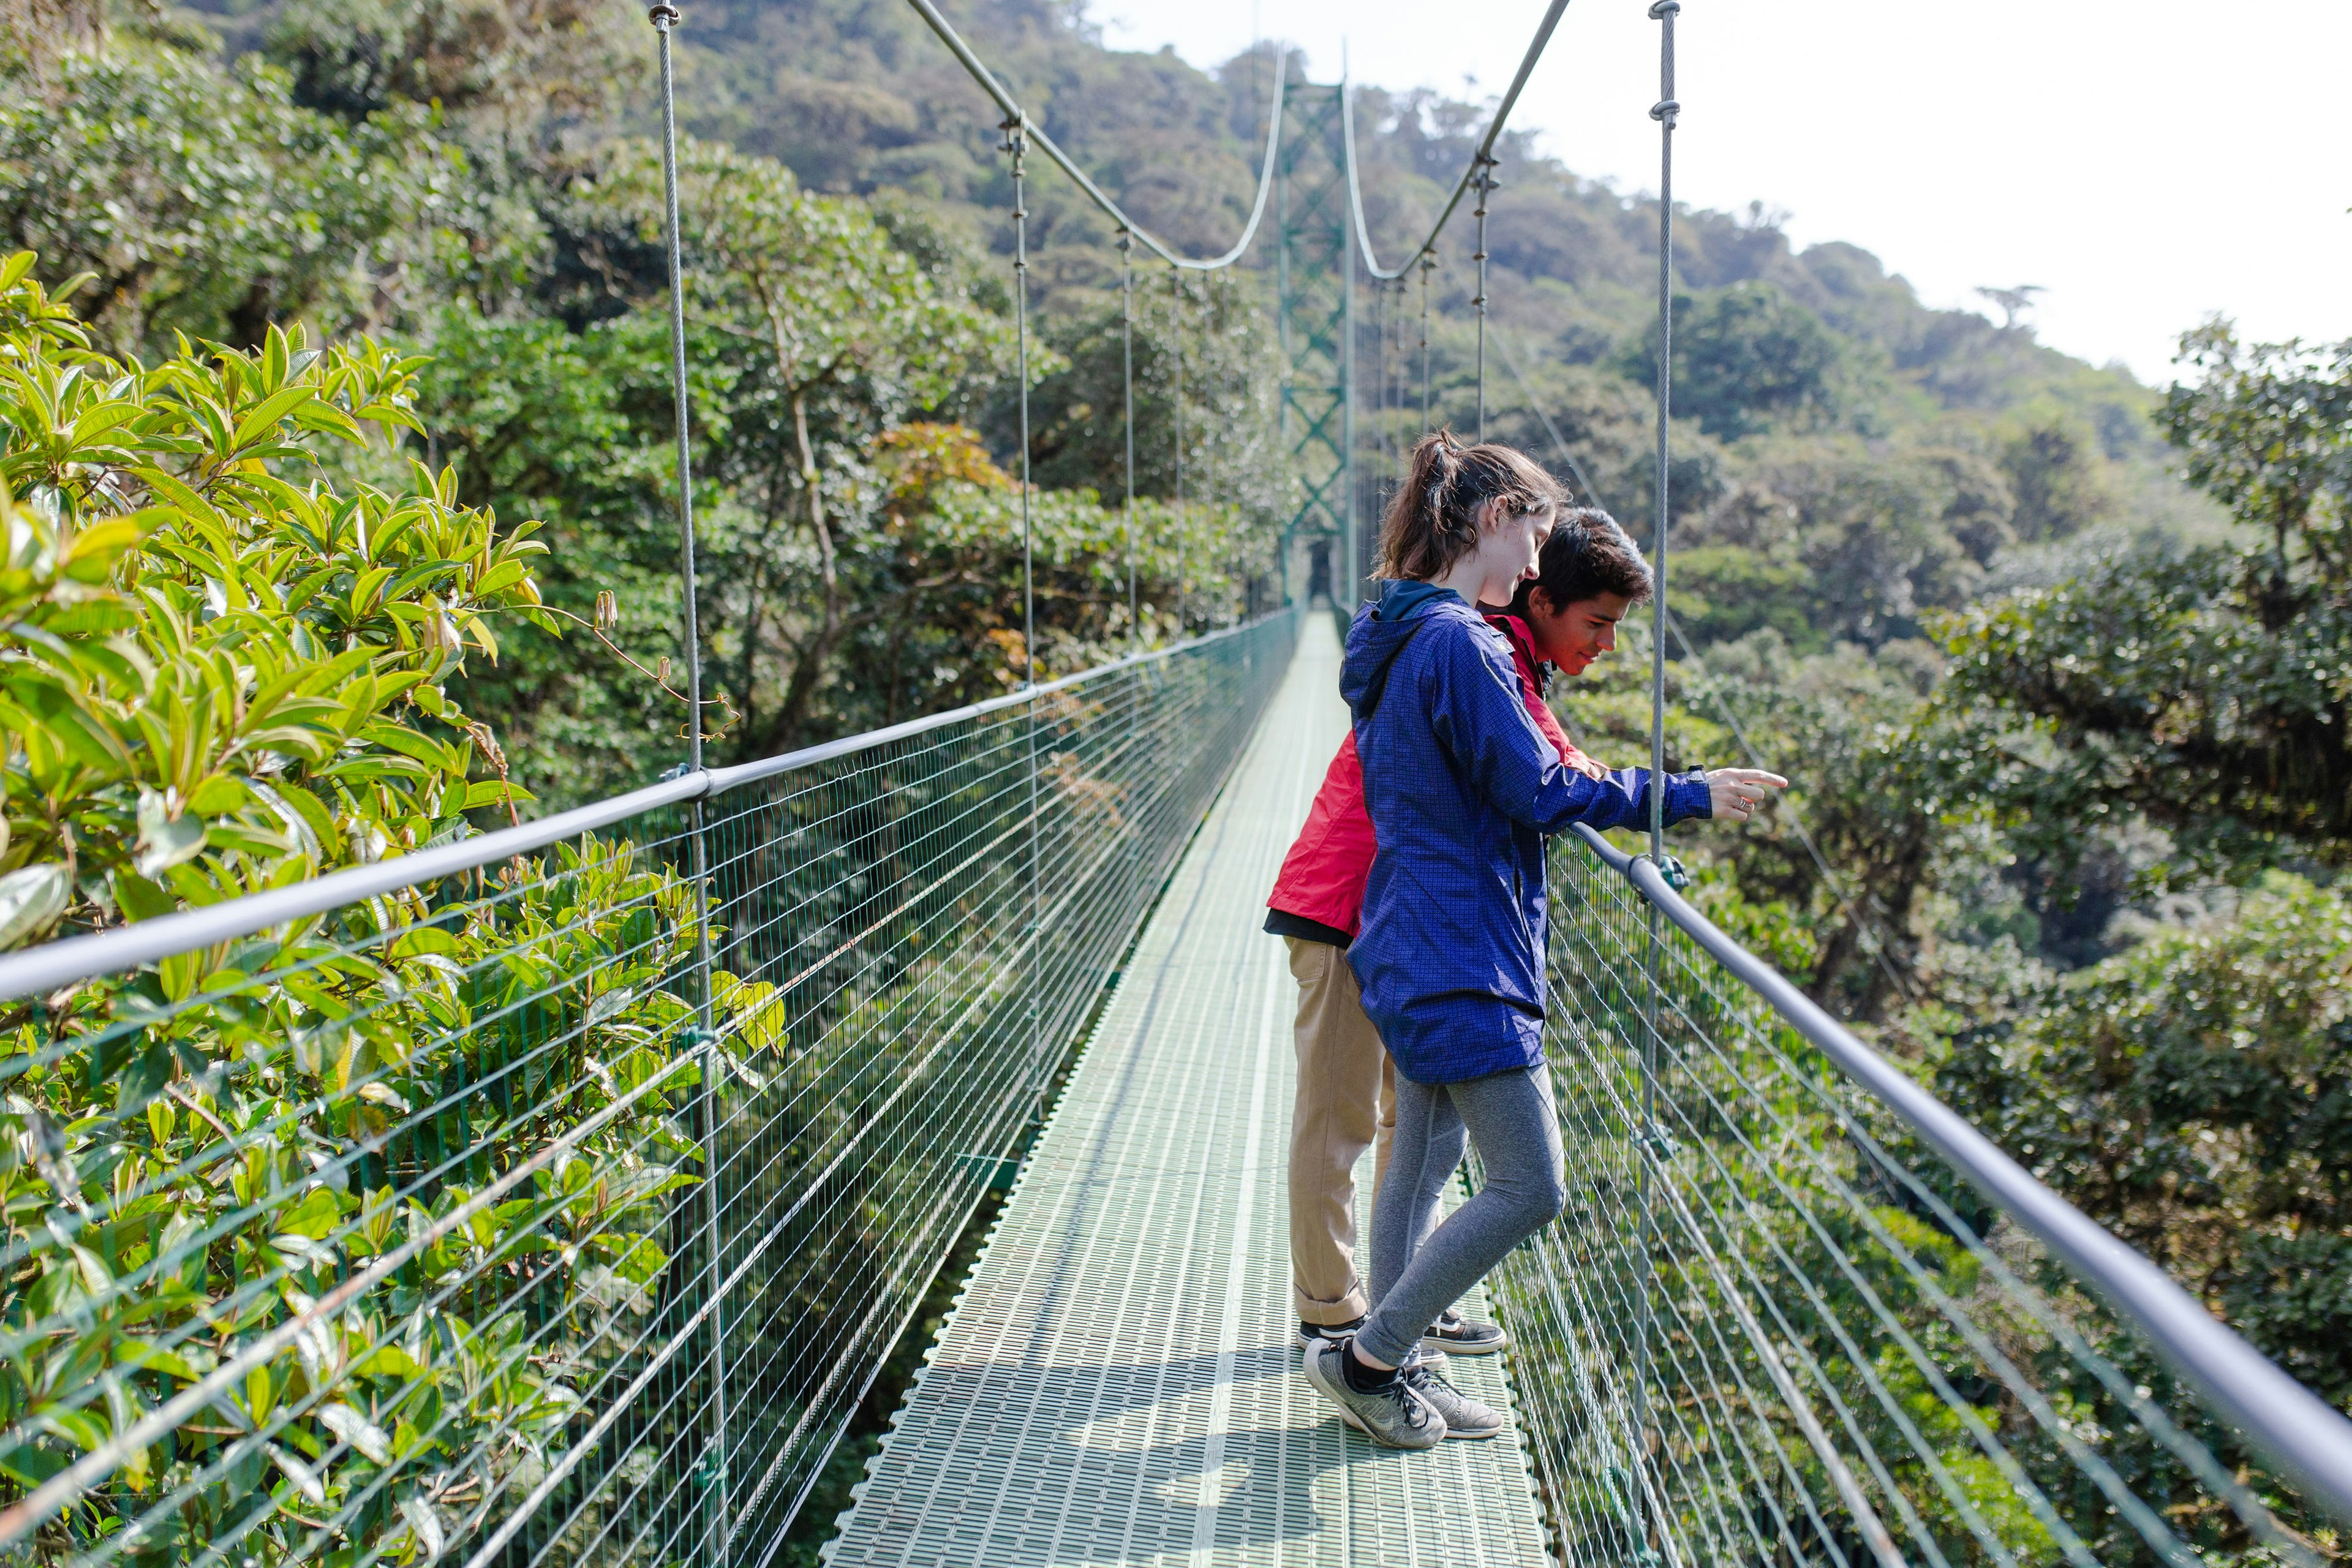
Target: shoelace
column 1416, row 1411
column 1419, row 1376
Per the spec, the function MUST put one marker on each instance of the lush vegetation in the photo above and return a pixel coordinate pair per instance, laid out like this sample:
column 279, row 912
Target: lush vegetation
column 2063, row 664
column 224, row 675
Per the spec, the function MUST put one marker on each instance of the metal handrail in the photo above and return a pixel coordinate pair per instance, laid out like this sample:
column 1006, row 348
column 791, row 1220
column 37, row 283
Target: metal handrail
column 39, row 971
column 894, row 1009
column 2306, row 1437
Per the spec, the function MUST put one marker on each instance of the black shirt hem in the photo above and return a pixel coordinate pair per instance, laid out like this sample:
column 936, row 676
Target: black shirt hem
column 1282, row 923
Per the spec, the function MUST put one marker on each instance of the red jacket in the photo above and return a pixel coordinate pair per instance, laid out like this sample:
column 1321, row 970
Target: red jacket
column 1323, row 876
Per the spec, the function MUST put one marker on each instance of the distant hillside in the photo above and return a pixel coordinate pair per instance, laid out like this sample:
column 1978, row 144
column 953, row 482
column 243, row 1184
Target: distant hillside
column 1834, row 421
column 1805, row 373
column 857, row 96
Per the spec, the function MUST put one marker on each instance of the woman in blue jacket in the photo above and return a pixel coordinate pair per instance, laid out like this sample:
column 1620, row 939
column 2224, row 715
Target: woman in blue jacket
column 1462, row 789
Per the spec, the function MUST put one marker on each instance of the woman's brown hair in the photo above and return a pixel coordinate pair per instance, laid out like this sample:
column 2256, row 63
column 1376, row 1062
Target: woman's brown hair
column 1432, row 521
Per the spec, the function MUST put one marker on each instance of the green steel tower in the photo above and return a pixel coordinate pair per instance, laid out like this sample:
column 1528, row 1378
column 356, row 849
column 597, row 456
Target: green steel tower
column 1317, row 316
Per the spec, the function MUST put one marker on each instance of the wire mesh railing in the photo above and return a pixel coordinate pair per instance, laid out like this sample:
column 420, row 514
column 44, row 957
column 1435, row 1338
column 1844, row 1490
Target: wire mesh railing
column 1794, row 1316
column 470, row 1218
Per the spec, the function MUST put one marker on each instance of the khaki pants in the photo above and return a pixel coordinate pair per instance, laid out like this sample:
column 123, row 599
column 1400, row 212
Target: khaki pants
column 1347, row 1101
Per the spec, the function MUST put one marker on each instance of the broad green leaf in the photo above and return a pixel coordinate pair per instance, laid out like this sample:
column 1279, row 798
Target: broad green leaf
column 265, row 415
column 362, row 1434
column 31, row 900
column 495, row 792
column 306, row 1480
column 164, row 840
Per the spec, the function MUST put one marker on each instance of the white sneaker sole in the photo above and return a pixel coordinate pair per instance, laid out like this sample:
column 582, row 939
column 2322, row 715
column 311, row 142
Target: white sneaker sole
column 1430, row 1356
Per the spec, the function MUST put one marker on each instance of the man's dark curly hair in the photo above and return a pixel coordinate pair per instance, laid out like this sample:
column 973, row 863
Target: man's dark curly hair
column 1586, row 555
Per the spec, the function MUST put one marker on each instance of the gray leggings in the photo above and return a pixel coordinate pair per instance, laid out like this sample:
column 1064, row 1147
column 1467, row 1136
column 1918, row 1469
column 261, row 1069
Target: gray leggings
column 1417, row 1272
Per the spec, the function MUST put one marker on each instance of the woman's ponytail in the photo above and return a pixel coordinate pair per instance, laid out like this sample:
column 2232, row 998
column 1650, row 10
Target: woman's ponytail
column 1432, row 520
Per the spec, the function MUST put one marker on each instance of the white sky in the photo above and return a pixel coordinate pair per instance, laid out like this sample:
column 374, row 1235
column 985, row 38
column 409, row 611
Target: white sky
column 2148, row 162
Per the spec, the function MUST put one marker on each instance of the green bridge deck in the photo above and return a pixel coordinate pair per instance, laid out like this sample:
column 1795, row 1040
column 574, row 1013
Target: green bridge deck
column 1117, row 1384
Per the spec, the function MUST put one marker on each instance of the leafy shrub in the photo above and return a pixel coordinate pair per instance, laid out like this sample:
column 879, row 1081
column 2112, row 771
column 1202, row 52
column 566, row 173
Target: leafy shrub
column 345, row 1212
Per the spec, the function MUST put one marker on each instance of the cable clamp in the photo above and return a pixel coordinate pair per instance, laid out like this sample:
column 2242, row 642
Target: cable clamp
column 664, row 17
column 1664, row 110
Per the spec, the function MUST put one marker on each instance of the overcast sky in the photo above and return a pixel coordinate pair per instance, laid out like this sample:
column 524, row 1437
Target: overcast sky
column 2146, row 161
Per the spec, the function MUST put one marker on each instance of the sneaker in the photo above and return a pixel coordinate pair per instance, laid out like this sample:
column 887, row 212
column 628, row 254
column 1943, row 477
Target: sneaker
column 1463, row 1416
column 1309, row 1335
column 1457, row 1335
column 1396, row 1417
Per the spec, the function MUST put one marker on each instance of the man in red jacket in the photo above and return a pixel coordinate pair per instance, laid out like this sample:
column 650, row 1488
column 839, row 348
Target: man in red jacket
column 1588, row 576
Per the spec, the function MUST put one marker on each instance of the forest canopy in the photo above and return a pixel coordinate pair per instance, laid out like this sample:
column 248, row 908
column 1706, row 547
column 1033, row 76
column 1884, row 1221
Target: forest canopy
column 2062, row 664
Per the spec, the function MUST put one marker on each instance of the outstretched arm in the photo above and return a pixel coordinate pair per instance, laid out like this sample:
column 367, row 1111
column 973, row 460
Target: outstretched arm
column 1477, row 715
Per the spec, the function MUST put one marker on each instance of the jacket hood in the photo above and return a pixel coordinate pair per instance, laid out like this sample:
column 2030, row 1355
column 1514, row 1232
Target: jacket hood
column 1383, row 627
column 1402, row 599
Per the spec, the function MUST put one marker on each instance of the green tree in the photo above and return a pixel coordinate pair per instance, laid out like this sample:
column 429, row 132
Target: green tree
column 1746, row 358
column 2056, row 475
column 2209, row 690
column 220, row 673
column 2194, row 1095
column 198, row 200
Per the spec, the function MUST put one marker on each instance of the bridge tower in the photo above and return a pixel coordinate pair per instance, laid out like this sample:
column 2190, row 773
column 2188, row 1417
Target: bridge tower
column 1316, row 315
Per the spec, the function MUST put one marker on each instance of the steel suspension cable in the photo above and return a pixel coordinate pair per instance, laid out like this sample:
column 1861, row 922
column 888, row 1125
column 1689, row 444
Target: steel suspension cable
column 1484, row 155
column 1381, row 373
column 1486, row 184
column 1127, row 412
column 665, row 18
column 1176, row 335
column 1428, row 263
column 1017, row 143
column 980, row 73
column 1665, row 111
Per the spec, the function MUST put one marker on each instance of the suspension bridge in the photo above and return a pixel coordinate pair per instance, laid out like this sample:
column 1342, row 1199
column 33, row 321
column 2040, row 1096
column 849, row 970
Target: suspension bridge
column 572, row 1183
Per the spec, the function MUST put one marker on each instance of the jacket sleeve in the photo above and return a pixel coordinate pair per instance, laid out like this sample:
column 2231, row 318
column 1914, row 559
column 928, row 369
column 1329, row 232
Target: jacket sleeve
column 1477, row 715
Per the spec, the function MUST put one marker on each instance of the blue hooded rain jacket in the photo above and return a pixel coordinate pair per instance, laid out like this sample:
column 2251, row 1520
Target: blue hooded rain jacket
column 1462, row 788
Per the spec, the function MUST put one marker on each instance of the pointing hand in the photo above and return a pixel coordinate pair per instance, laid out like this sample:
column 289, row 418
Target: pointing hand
column 1736, row 793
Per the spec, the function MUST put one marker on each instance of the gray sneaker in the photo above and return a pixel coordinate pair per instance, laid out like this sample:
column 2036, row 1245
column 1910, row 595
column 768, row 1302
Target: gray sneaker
column 1457, row 1335
column 1463, row 1416
column 1397, row 1416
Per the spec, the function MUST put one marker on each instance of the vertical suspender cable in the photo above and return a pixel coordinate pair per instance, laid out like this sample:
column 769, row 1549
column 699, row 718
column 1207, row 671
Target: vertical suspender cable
column 1016, row 143
column 1651, row 1149
column 664, row 18
column 1665, row 113
column 1176, row 335
column 1380, row 382
column 1399, row 368
column 1428, row 262
column 1358, row 567
column 1127, row 414
column 1486, row 184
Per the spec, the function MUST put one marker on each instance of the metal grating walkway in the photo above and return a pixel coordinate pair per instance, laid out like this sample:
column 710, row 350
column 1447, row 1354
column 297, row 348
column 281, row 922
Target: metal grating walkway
column 1117, row 1384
